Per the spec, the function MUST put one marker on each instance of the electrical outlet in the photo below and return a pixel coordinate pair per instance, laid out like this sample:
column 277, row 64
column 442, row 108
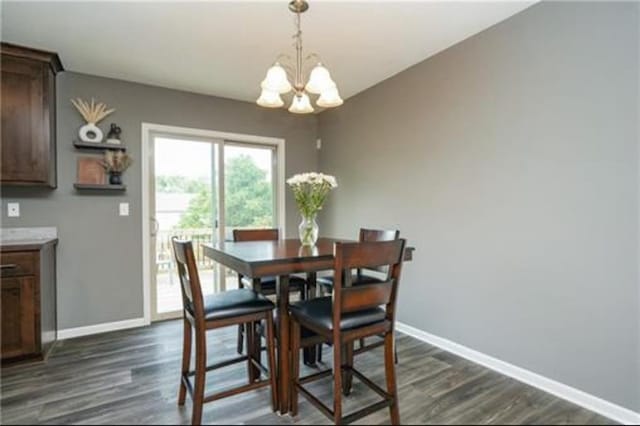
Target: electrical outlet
column 13, row 209
column 124, row 209
column 319, row 143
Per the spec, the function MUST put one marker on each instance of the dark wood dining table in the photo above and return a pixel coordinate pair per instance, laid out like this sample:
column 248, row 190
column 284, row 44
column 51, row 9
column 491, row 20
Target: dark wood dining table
column 257, row 259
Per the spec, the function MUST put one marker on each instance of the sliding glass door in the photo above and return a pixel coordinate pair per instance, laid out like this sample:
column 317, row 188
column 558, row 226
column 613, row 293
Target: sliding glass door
column 202, row 189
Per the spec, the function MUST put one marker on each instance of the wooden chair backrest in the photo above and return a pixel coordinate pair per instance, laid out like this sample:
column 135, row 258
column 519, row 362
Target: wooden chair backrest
column 368, row 235
column 256, row 235
column 366, row 255
column 189, row 277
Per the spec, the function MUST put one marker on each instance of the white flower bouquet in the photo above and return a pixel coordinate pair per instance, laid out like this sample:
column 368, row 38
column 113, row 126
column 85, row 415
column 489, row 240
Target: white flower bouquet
column 310, row 191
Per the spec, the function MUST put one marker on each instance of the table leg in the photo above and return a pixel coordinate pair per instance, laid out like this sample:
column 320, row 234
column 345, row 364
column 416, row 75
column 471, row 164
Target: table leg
column 282, row 290
column 256, row 340
column 310, row 353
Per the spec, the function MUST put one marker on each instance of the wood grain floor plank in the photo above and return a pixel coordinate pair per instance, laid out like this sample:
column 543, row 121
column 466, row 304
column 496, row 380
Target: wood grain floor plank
column 132, row 376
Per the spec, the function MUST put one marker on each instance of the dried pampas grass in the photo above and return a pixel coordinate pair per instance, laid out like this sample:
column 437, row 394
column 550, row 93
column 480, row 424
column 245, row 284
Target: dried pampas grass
column 118, row 161
column 91, row 112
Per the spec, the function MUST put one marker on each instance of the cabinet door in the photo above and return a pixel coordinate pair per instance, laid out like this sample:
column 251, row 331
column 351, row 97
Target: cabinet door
column 18, row 317
column 26, row 135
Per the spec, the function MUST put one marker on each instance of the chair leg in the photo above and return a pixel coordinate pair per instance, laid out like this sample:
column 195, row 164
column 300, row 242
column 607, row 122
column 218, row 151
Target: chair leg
column 295, row 365
column 320, row 352
column 347, row 373
column 186, row 360
column 337, row 382
column 271, row 354
column 390, row 372
column 240, row 348
column 304, row 292
column 251, row 371
column 201, row 371
column 362, row 343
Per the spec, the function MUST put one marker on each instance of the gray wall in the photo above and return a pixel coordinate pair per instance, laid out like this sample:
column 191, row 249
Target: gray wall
column 100, row 253
column 511, row 162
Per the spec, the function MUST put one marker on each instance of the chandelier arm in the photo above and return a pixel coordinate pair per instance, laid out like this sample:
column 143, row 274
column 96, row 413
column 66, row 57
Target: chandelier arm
column 313, row 55
column 283, row 56
column 309, row 64
column 291, row 73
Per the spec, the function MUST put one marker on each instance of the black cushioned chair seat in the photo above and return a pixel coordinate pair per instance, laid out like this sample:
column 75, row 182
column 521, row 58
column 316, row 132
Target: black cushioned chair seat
column 356, row 280
column 320, row 311
column 234, row 303
column 303, row 331
column 268, row 284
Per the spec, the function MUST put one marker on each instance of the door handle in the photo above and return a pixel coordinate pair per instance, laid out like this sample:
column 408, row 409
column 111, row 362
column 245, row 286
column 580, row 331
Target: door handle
column 155, row 227
column 9, row 266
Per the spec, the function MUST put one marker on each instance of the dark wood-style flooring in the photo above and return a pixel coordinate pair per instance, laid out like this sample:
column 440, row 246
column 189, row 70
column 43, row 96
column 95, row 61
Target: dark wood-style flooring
column 131, row 377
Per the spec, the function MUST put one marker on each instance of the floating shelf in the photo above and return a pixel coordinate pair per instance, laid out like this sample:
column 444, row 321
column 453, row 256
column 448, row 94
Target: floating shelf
column 101, row 146
column 99, row 187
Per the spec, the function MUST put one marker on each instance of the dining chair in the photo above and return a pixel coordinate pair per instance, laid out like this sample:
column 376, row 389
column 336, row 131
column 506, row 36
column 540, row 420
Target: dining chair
column 228, row 308
column 265, row 285
column 363, row 276
column 353, row 312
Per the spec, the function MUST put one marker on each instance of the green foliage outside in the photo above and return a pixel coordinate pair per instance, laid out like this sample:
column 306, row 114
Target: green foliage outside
column 248, row 195
column 248, row 201
column 180, row 184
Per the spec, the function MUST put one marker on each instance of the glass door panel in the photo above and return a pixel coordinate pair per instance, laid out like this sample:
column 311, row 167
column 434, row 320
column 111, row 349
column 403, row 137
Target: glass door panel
column 249, row 191
column 185, row 182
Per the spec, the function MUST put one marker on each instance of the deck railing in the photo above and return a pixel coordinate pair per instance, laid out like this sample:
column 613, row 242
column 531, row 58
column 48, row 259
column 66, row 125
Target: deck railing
column 199, row 236
column 164, row 251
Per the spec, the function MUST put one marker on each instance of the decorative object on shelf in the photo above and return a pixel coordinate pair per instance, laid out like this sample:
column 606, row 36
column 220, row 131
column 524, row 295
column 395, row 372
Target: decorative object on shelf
column 115, row 163
column 92, row 114
column 310, row 191
column 90, row 170
column 113, row 137
column 279, row 75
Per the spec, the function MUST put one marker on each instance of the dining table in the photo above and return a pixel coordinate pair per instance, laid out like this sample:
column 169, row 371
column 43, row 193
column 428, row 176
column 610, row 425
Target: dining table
column 280, row 259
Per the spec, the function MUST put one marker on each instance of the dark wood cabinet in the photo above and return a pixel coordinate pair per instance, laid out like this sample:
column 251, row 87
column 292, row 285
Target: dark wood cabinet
column 28, row 282
column 28, row 136
column 18, row 317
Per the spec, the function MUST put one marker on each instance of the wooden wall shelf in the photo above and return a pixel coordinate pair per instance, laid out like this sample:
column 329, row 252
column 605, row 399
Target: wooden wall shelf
column 99, row 146
column 99, row 187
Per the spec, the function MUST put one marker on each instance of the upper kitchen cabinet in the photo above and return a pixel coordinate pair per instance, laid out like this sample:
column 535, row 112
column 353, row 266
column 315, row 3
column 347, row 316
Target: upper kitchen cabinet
column 28, row 93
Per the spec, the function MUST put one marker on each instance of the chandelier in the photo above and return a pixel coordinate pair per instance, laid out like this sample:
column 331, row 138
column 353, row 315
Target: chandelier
column 280, row 76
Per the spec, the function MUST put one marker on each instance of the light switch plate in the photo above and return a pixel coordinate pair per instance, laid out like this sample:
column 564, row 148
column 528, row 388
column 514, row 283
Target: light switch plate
column 124, row 209
column 13, row 209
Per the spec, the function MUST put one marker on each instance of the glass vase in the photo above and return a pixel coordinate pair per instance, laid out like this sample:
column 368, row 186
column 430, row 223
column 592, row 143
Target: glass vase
column 308, row 231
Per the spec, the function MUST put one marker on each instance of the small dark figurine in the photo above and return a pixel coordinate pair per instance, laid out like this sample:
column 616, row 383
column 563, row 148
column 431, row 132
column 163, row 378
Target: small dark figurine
column 114, row 134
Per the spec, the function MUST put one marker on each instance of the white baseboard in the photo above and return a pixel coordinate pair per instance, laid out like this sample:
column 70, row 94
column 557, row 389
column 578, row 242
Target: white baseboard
column 70, row 333
column 576, row 396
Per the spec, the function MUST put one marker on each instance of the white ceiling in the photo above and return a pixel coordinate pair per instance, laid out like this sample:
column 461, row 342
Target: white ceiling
column 224, row 48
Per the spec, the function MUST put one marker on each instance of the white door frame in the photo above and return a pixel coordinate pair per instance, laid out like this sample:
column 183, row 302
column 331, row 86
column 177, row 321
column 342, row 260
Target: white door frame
column 148, row 129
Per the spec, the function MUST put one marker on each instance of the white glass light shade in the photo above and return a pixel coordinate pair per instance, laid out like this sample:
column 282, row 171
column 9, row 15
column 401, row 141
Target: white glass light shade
column 270, row 99
column 319, row 80
column 276, row 80
column 301, row 104
column 330, row 98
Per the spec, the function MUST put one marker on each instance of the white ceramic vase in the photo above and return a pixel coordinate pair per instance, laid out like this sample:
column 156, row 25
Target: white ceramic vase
column 90, row 133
